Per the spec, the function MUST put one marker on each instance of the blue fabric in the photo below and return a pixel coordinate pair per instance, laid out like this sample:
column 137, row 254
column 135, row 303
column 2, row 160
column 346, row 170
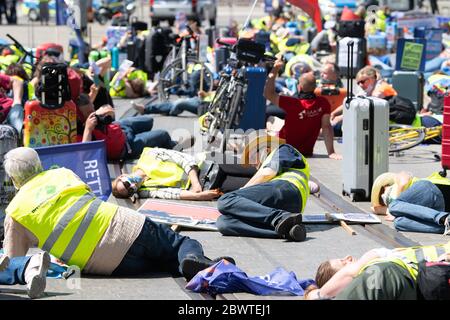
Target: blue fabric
column 419, row 209
column 225, row 277
column 174, row 108
column 87, row 160
column 156, row 249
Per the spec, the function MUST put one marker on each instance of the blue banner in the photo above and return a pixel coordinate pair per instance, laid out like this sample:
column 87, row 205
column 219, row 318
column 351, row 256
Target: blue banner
column 87, row 160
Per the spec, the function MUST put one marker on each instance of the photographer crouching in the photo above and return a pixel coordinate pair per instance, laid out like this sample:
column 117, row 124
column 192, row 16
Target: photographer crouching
column 126, row 138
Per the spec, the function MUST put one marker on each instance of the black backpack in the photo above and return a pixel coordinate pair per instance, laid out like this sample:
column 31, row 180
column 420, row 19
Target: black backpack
column 53, row 90
column 401, row 110
column 433, row 280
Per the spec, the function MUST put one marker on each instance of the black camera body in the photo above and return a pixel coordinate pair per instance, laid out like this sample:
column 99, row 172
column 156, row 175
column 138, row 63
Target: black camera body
column 103, row 120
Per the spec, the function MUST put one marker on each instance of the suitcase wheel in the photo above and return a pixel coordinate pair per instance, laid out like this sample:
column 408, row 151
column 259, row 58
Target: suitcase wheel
column 443, row 173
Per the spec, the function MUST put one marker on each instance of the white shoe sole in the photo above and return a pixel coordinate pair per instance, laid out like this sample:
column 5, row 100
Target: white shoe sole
column 4, row 262
column 36, row 287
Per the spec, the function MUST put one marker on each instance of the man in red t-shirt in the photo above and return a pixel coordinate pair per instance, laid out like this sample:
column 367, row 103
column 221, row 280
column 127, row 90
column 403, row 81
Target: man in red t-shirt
column 305, row 114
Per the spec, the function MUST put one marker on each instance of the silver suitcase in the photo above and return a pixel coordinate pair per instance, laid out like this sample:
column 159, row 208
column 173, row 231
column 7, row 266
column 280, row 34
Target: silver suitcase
column 366, row 144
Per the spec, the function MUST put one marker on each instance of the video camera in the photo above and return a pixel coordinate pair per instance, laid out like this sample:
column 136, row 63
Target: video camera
column 104, row 120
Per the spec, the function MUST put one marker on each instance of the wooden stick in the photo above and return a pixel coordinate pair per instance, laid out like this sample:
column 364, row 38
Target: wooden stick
column 347, row 228
column 175, row 227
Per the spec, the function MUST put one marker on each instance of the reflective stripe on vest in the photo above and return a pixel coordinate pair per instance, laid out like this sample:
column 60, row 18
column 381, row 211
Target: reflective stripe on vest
column 66, row 218
column 298, row 177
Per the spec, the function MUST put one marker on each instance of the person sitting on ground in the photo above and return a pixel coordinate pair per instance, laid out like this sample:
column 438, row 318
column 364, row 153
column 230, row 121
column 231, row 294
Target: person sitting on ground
column 169, row 174
column 370, row 84
column 416, row 205
column 305, row 115
column 11, row 110
column 64, row 218
column 270, row 204
column 193, row 105
column 29, row 270
column 330, row 86
column 394, row 271
column 125, row 138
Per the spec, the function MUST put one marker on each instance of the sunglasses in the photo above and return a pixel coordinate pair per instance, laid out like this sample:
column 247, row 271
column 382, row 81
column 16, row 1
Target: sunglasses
column 360, row 82
column 130, row 189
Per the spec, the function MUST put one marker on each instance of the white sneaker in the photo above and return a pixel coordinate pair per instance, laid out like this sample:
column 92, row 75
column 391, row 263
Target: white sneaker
column 4, row 262
column 313, row 187
column 447, row 226
column 36, row 274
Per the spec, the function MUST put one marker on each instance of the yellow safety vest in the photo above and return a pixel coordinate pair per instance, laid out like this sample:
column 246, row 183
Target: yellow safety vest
column 63, row 214
column 161, row 173
column 118, row 90
column 434, row 178
column 298, row 177
column 409, row 258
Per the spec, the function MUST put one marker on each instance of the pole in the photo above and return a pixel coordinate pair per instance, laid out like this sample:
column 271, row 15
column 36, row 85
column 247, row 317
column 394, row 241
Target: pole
column 247, row 22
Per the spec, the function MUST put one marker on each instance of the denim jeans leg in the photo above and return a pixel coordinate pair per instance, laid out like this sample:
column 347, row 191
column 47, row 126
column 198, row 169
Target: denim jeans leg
column 154, row 138
column 254, row 211
column 191, row 105
column 138, row 124
column 15, row 118
column 406, row 224
column 157, row 248
column 159, row 108
column 15, row 273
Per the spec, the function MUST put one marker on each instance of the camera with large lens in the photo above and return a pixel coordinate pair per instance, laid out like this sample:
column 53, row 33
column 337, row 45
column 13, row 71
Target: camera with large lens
column 103, row 120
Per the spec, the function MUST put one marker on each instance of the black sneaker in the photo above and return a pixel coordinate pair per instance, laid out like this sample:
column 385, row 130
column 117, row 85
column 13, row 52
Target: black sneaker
column 285, row 225
column 297, row 233
column 191, row 265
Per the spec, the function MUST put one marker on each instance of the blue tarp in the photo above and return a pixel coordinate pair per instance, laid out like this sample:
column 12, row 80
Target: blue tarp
column 225, row 277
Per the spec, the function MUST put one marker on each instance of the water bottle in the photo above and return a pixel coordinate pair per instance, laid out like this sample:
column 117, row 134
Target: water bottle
column 115, row 58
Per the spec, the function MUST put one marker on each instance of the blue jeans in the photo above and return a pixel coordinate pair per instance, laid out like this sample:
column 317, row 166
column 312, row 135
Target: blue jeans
column 174, row 108
column 15, row 273
column 433, row 65
column 157, row 249
column 140, row 135
column 420, row 208
column 15, row 118
column 254, row 211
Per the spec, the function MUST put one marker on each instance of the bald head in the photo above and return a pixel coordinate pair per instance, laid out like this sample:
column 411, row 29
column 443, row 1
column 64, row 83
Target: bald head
column 307, row 82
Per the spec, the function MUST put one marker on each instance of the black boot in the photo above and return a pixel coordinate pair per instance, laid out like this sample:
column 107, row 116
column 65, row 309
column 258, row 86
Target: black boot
column 191, row 265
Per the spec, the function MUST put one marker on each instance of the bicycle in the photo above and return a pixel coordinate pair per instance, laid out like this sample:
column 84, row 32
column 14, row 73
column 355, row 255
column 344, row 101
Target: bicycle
column 180, row 67
column 226, row 108
column 403, row 137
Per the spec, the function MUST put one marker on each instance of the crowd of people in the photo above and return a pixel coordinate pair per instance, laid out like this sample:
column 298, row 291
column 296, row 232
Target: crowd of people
column 263, row 198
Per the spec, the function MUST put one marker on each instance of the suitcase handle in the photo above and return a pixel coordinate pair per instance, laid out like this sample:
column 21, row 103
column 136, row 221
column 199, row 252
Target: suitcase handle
column 350, row 46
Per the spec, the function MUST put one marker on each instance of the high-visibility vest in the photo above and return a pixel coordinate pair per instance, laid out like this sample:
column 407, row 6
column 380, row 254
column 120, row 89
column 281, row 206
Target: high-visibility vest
column 161, row 173
column 118, row 90
column 409, row 258
column 298, row 177
column 63, row 214
column 434, row 178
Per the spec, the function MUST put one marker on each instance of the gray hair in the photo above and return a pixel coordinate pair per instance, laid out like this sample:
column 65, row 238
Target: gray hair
column 22, row 164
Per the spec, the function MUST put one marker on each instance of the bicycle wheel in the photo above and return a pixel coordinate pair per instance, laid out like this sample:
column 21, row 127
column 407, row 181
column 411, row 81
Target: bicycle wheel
column 404, row 137
column 232, row 118
column 218, row 113
column 172, row 80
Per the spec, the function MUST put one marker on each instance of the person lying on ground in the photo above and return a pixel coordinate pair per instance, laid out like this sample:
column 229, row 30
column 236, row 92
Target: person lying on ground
column 125, row 138
column 132, row 85
column 169, row 174
column 413, row 204
column 379, row 274
column 270, row 204
column 29, row 270
column 305, row 115
column 64, row 218
column 193, row 105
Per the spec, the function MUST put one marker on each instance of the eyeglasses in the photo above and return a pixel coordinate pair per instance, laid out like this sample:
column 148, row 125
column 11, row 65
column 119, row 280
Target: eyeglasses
column 130, row 189
column 360, row 82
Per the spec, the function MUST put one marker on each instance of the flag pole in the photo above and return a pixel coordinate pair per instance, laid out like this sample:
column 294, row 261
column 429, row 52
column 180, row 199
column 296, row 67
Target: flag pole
column 247, row 22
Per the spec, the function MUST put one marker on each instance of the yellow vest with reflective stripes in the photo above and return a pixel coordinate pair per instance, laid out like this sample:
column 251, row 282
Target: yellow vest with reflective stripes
column 434, row 178
column 298, row 177
column 409, row 258
column 118, row 90
column 66, row 218
column 161, row 173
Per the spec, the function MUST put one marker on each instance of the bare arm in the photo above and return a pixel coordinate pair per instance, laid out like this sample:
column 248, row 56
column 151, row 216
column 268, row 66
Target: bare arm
column 269, row 90
column 90, row 125
column 344, row 276
column 17, row 242
column 193, row 176
column 328, row 135
column 263, row 175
